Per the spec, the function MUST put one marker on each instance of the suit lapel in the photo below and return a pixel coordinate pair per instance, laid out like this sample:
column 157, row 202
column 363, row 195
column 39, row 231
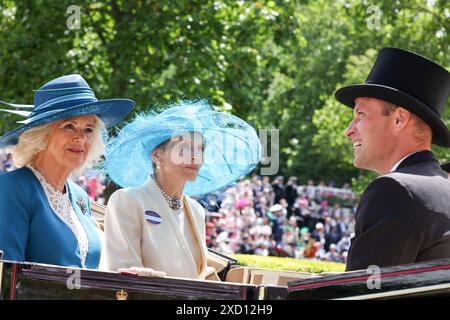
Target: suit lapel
column 194, row 228
column 162, row 207
column 416, row 158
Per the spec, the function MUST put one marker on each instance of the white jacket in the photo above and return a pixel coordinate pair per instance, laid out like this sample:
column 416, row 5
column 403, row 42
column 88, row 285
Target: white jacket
column 132, row 241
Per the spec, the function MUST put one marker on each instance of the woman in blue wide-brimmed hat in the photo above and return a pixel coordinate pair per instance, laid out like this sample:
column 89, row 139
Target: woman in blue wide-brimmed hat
column 44, row 216
column 152, row 225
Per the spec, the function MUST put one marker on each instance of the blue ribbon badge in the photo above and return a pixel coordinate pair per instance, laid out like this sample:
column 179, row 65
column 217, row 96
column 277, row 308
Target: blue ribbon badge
column 152, row 217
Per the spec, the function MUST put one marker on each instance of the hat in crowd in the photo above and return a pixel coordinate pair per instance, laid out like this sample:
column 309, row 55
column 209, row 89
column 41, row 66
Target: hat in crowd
column 275, row 208
column 210, row 225
column 241, row 203
column 61, row 98
column 410, row 81
column 232, row 147
column 319, row 225
column 304, row 230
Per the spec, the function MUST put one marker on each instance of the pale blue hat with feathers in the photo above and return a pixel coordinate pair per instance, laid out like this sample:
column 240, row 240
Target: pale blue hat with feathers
column 232, row 150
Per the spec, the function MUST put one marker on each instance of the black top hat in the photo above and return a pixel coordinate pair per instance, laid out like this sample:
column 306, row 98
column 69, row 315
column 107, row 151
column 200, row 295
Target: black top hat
column 408, row 80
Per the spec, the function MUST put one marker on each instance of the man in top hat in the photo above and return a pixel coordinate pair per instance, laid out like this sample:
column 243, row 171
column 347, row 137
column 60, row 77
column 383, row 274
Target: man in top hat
column 404, row 214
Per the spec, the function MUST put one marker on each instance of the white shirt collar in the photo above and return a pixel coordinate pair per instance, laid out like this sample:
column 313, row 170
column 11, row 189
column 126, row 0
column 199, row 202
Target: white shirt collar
column 401, row 160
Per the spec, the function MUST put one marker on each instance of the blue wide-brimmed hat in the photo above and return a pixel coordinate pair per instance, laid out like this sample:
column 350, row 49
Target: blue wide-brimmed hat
column 232, row 147
column 65, row 97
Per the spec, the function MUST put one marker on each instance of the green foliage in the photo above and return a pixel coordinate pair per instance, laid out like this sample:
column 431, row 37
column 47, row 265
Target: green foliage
column 274, row 63
column 288, row 264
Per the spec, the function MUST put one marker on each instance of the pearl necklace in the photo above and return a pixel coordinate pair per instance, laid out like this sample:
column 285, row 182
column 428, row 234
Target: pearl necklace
column 173, row 202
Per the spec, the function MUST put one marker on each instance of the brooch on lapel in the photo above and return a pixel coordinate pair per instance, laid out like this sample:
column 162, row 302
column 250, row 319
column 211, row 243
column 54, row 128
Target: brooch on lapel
column 82, row 204
column 152, row 217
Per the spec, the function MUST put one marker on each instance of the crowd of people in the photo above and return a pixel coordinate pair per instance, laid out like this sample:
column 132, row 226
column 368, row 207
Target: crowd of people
column 266, row 218
column 282, row 219
column 94, row 184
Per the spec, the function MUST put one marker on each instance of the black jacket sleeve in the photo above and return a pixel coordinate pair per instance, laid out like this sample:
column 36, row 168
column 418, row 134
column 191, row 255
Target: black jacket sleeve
column 384, row 226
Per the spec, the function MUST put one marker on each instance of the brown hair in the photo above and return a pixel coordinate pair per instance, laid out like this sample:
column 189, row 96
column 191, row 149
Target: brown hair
column 421, row 131
column 161, row 146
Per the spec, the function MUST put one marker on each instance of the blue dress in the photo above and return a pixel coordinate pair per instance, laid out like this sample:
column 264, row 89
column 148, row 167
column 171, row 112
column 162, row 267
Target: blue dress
column 31, row 231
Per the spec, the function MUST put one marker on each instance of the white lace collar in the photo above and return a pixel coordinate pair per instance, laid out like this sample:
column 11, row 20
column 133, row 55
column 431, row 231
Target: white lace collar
column 61, row 205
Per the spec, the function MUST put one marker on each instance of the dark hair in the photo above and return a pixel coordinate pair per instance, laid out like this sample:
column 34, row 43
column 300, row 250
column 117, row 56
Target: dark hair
column 161, row 146
column 420, row 124
column 388, row 108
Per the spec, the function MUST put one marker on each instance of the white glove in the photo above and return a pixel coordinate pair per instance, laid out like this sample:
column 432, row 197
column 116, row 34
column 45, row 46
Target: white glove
column 140, row 271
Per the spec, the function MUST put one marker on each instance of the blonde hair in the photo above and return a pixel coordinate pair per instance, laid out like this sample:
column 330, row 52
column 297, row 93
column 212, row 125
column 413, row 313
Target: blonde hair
column 34, row 140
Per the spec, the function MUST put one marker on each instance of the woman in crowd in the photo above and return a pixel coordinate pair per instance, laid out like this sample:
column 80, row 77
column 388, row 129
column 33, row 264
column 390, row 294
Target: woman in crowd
column 44, row 216
column 153, row 226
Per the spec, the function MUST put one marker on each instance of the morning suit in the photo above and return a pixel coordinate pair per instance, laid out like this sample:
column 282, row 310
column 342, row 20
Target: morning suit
column 403, row 216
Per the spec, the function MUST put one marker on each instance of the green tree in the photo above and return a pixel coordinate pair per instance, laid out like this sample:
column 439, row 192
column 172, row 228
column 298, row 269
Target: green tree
column 274, row 63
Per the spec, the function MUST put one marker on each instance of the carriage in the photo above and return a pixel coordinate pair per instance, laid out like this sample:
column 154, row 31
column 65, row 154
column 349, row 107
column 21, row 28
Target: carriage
column 39, row 281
